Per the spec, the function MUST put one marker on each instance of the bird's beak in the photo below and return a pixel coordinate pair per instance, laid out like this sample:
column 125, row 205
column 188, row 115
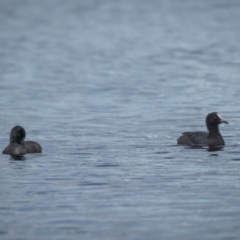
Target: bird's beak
column 224, row 121
column 221, row 119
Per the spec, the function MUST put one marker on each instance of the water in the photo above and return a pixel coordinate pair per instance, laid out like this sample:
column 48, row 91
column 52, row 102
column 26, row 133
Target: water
column 106, row 87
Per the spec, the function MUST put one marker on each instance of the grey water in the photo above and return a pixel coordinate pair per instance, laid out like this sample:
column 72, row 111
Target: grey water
column 106, row 87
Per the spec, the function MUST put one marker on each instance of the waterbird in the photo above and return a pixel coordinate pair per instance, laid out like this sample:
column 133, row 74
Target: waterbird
column 211, row 138
column 17, row 144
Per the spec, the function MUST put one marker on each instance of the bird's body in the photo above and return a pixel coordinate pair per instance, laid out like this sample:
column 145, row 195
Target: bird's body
column 190, row 138
column 18, row 149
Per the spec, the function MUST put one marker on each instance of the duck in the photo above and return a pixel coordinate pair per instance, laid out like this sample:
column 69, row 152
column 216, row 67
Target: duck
column 17, row 144
column 211, row 138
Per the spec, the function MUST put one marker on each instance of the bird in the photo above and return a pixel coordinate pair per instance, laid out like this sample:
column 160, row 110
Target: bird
column 212, row 138
column 18, row 146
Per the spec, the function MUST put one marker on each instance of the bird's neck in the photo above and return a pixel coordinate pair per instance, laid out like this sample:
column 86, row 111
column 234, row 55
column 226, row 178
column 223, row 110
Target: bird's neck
column 213, row 130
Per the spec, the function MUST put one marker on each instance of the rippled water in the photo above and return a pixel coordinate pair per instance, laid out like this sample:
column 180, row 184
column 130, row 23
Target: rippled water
column 106, row 87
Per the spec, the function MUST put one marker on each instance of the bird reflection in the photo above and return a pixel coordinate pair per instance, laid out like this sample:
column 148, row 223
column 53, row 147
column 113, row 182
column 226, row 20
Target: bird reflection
column 17, row 157
column 214, row 148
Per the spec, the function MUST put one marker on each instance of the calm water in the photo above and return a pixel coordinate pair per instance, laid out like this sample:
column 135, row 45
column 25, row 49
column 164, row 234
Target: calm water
column 107, row 87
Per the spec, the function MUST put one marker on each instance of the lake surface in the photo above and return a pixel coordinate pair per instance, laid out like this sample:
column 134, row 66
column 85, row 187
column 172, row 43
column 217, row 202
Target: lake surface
column 107, row 87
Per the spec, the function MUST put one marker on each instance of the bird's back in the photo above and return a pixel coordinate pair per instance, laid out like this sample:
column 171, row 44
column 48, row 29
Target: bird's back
column 32, row 147
column 193, row 138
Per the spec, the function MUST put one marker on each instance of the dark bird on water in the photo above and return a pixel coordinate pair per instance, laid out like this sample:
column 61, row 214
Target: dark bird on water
column 17, row 145
column 212, row 138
